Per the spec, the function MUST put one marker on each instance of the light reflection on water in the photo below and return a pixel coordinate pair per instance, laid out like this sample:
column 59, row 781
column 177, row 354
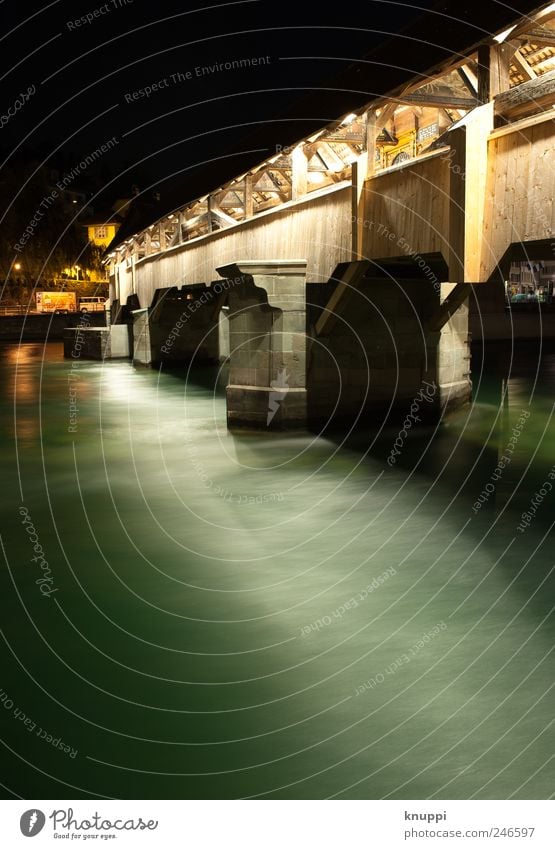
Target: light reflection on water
column 206, row 585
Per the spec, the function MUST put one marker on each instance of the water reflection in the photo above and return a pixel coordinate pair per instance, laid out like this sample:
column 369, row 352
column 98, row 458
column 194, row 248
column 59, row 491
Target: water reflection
column 223, row 625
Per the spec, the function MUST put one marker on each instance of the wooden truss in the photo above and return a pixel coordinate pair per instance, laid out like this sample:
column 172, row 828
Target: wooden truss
column 516, row 70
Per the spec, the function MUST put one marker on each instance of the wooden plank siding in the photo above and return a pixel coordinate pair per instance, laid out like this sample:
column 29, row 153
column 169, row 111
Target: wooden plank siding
column 410, row 203
column 520, row 191
column 317, row 229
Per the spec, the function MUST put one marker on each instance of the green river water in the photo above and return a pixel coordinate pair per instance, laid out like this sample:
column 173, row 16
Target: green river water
column 271, row 615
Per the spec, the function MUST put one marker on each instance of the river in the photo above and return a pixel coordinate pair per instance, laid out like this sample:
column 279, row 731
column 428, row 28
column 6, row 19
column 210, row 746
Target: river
column 217, row 615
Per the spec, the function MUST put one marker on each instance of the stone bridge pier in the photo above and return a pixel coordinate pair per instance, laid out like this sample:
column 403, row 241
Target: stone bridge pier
column 266, row 303
column 382, row 336
column 180, row 326
column 374, row 343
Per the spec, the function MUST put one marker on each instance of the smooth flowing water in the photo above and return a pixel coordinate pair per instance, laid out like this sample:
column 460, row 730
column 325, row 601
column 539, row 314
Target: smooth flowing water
column 225, row 615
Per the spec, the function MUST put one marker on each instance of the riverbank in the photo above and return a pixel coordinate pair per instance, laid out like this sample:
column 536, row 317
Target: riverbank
column 42, row 328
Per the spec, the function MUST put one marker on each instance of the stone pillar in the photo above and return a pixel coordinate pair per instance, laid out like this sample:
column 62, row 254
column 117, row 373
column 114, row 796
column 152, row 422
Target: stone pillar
column 181, row 326
column 267, row 316
column 184, row 326
column 453, row 357
column 96, row 343
column 385, row 351
column 142, row 353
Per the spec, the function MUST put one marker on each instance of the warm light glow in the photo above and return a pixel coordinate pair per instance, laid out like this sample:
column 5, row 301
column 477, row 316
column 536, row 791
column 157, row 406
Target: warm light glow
column 17, row 266
column 503, row 35
column 348, row 119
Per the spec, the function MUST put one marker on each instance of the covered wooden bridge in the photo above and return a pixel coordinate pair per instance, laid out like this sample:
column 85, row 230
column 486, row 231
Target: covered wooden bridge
column 339, row 272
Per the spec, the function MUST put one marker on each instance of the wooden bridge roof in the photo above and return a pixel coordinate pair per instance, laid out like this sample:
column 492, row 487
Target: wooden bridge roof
column 451, row 31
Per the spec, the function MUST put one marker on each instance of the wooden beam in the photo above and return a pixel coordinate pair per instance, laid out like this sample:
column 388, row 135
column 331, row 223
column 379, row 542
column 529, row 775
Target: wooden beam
column 387, row 111
column 518, row 126
column 299, row 162
column 449, row 101
column 359, row 173
column 501, row 56
column 521, row 63
column 282, row 191
column 248, row 198
column 534, row 22
column 479, row 125
column 457, row 205
column 533, row 96
column 222, row 216
column 494, row 61
column 193, row 222
column 374, row 125
column 371, row 133
column 209, row 213
column 351, row 276
column 285, row 173
column 272, row 203
column 541, row 37
column 469, row 82
column 330, row 154
column 341, row 139
column 177, row 237
column 449, row 307
column 362, row 169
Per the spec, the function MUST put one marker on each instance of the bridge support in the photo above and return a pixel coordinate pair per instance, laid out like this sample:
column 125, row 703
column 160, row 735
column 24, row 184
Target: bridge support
column 267, row 316
column 96, row 343
column 383, row 344
column 180, row 326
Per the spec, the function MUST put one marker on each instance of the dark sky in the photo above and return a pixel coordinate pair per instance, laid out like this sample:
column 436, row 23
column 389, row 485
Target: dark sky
column 82, row 74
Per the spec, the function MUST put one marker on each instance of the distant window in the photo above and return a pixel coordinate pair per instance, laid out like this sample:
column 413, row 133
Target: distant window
column 100, row 232
column 427, row 133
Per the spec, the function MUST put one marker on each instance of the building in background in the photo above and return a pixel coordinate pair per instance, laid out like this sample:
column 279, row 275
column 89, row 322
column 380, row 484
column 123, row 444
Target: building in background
column 531, row 281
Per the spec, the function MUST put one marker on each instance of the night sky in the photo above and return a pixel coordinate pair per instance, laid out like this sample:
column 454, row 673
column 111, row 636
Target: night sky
column 86, row 77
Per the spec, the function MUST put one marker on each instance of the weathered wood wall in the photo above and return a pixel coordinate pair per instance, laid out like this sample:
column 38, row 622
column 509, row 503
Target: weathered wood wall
column 407, row 210
column 520, row 191
column 318, row 230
